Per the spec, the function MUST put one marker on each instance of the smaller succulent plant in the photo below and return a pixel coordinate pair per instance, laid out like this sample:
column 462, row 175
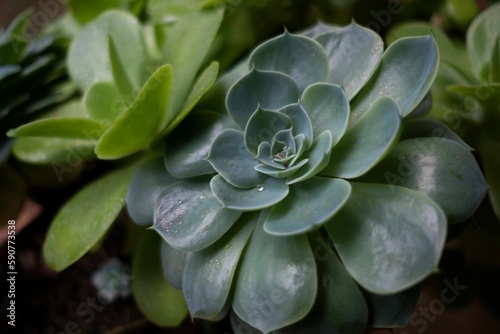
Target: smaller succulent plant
column 314, row 184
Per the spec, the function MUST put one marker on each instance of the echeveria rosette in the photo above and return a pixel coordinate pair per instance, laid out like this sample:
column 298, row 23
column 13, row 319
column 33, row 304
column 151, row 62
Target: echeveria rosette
column 282, row 209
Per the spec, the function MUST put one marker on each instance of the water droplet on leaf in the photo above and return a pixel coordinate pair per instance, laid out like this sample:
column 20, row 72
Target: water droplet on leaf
column 259, row 187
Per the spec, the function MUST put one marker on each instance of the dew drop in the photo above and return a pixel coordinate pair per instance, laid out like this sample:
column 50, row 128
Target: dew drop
column 259, row 187
column 180, row 202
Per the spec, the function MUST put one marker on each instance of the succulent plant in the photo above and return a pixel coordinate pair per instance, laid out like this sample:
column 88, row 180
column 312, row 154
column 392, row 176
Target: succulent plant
column 321, row 191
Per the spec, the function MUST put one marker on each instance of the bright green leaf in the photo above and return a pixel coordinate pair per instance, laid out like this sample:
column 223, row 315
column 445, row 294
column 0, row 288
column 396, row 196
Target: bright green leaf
column 135, row 128
column 204, row 82
column 160, row 302
column 63, row 154
column 103, row 102
column 71, row 128
column 85, row 218
column 187, row 45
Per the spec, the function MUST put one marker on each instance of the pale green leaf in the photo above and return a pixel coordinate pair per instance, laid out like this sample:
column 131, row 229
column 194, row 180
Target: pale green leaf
column 150, row 179
column 288, row 282
column 229, row 157
column 264, row 195
column 308, row 206
column 389, row 238
column 328, row 109
column 88, row 56
column 302, row 58
column 268, row 90
column 405, row 74
column 189, row 217
column 190, row 144
column 367, row 142
column 209, row 273
column 353, row 54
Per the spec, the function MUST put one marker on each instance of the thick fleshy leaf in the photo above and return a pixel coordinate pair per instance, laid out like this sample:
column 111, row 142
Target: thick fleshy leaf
column 301, row 122
column 103, row 102
column 309, row 205
column 136, row 127
column 209, row 273
column 71, row 128
column 203, row 83
column 439, row 168
column 275, row 291
column 367, row 142
column 317, row 155
column 389, row 238
column 391, row 311
column 490, row 152
column 264, row 156
column 262, row 126
column 229, row 157
column 269, row 90
column 447, row 50
column 173, row 263
column 353, row 55
column 340, row 307
column 405, row 74
column 428, row 127
column 264, row 195
column 423, row 108
column 328, row 109
column 241, row 327
column 189, row 217
column 100, row 202
column 88, row 65
column 280, row 173
column 150, row 179
column 185, row 154
column 301, row 58
column 283, row 146
column 193, row 36
column 160, row 302
column 44, row 150
column 487, row 95
column 481, row 37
